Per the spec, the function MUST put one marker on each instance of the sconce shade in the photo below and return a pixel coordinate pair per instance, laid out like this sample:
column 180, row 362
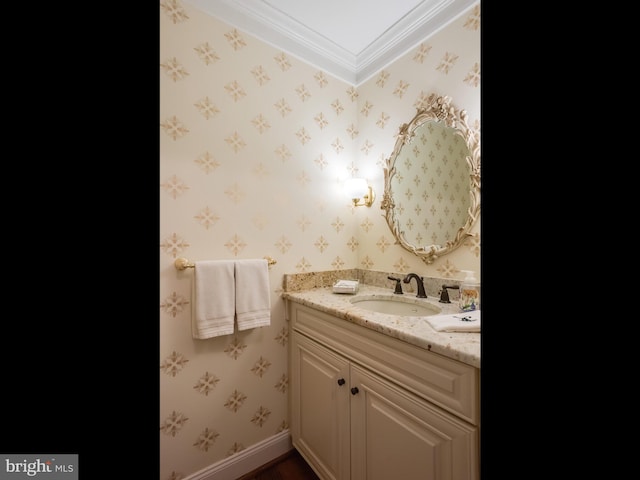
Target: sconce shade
column 356, row 188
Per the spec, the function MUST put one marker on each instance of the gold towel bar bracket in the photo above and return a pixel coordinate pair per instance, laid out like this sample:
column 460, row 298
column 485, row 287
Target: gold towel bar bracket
column 182, row 263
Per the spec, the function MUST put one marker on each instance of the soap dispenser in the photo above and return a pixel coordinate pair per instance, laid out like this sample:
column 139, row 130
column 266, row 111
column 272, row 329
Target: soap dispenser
column 469, row 292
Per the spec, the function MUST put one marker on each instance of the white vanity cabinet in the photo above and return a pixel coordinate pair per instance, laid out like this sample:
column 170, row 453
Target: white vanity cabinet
column 365, row 406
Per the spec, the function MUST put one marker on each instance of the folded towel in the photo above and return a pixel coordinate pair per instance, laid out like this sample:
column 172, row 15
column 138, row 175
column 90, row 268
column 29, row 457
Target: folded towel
column 253, row 295
column 214, row 298
column 455, row 322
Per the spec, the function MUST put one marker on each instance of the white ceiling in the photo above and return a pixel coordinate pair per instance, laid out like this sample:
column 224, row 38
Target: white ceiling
column 351, row 39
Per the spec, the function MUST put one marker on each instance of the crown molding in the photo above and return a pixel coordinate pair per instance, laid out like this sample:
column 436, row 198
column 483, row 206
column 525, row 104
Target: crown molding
column 270, row 25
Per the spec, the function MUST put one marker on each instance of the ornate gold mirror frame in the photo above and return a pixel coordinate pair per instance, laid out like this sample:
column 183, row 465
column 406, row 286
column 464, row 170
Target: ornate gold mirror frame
column 432, row 158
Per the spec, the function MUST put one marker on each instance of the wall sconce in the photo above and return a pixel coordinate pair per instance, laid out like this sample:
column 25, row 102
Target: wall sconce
column 357, row 189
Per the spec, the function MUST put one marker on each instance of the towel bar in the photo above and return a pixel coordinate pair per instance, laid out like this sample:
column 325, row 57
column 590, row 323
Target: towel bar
column 182, row 263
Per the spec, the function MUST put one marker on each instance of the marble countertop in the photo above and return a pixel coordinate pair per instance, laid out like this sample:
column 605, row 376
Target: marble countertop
column 461, row 346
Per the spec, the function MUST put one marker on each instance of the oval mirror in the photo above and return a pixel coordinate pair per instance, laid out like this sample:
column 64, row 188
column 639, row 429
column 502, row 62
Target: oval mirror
column 432, row 180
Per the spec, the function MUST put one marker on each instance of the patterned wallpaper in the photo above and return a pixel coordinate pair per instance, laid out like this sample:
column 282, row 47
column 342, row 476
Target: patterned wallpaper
column 254, row 147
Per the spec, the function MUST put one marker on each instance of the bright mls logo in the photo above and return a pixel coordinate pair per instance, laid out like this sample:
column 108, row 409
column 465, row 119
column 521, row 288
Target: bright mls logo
column 50, row 467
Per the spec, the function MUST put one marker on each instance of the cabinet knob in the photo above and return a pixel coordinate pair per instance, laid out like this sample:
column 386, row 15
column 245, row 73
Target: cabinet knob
column 354, row 390
column 341, row 381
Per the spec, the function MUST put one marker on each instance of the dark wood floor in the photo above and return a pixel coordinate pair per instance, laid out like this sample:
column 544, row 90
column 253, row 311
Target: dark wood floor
column 290, row 466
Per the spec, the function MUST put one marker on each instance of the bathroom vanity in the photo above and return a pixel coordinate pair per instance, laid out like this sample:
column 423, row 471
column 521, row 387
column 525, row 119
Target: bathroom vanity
column 377, row 396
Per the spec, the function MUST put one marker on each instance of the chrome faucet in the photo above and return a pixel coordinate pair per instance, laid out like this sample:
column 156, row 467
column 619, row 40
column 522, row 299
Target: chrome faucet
column 419, row 282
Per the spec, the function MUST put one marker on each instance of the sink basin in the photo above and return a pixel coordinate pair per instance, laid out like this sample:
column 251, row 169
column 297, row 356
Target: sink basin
column 395, row 305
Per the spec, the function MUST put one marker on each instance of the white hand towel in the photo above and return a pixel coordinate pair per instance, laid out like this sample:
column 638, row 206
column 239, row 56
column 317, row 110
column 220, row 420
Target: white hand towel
column 455, row 322
column 253, row 294
column 214, row 298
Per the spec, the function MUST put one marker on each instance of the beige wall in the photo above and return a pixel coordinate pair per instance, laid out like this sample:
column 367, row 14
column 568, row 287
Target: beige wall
column 254, row 145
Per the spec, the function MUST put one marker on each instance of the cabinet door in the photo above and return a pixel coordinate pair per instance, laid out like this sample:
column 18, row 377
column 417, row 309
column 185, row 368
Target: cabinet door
column 320, row 407
column 396, row 435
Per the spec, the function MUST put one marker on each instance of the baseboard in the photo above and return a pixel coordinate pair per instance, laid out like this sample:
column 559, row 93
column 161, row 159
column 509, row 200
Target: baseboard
column 247, row 460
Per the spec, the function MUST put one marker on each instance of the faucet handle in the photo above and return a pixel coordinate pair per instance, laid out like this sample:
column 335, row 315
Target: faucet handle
column 444, row 293
column 398, row 289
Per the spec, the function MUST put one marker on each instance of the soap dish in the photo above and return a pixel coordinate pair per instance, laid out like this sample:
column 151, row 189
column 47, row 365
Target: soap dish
column 346, row 286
